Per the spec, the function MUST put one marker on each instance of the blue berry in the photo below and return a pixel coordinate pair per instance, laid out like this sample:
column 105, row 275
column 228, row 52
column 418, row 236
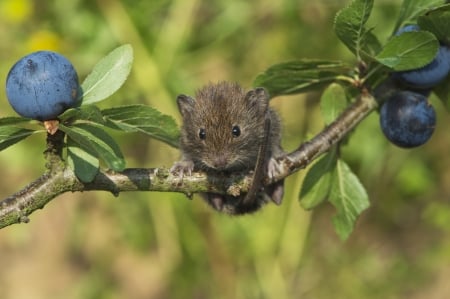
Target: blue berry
column 42, row 85
column 429, row 75
column 407, row 119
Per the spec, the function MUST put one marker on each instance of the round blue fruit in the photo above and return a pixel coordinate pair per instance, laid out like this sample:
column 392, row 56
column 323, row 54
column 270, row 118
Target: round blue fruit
column 407, row 119
column 42, row 85
column 431, row 74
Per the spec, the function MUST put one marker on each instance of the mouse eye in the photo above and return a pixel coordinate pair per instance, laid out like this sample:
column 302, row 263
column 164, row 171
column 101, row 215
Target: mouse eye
column 202, row 134
column 236, row 131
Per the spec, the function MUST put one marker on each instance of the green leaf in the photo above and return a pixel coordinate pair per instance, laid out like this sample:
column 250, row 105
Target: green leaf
column 97, row 142
column 437, row 21
column 371, row 46
column 411, row 9
column 317, row 183
column 10, row 135
column 145, row 119
column 108, row 75
column 410, row 50
column 300, row 76
column 85, row 165
column 12, row 120
column 88, row 113
column 332, row 102
column 349, row 198
column 349, row 26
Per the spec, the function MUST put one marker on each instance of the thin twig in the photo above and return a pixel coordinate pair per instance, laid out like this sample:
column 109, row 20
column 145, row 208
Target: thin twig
column 59, row 179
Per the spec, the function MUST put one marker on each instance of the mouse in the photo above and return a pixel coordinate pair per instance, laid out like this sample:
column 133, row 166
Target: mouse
column 227, row 130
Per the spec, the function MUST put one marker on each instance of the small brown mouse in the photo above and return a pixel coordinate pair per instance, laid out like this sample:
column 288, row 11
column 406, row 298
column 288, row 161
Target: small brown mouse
column 223, row 130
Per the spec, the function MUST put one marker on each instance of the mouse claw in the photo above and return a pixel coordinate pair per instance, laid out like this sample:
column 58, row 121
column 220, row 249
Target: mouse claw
column 182, row 167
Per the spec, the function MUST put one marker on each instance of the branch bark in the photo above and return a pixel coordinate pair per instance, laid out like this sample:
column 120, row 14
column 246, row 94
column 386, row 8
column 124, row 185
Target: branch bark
column 59, row 179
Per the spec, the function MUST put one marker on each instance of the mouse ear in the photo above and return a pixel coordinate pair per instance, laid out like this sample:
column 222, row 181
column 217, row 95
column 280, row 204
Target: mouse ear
column 185, row 104
column 258, row 98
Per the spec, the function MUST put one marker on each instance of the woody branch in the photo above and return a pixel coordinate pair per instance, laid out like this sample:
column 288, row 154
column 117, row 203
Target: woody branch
column 59, row 179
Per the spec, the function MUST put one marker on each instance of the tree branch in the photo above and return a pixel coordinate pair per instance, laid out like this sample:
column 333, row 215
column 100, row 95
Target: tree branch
column 59, row 179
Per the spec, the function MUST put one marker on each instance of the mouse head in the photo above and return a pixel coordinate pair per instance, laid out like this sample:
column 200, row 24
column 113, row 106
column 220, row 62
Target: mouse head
column 223, row 126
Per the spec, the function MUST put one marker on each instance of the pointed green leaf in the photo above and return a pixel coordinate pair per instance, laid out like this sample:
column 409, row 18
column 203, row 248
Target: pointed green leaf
column 85, row 165
column 437, row 21
column 12, row 120
column 97, row 142
column 411, row 9
column 10, row 135
column 89, row 113
column 349, row 198
column 108, row 75
column 371, row 46
column 410, row 50
column 141, row 118
column 300, row 76
column 317, row 183
column 332, row 102
column 349, row 26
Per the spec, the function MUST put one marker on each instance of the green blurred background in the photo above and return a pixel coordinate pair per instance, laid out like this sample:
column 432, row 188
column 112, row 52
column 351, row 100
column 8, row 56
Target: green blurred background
column 160, row 245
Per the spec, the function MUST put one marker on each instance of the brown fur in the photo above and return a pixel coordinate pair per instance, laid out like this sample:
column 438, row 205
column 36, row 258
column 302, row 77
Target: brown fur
column 217, row 109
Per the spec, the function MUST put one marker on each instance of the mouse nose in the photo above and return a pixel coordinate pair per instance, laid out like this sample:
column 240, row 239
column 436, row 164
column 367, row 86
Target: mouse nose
column 220, row 162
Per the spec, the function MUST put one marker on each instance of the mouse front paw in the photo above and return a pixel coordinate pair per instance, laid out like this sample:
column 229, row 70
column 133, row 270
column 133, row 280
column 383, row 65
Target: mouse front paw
column 182, row 167
column 273, row 168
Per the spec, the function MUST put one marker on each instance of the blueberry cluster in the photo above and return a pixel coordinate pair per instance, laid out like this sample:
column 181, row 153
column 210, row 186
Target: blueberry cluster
column 407, row 119
column 42, row 85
